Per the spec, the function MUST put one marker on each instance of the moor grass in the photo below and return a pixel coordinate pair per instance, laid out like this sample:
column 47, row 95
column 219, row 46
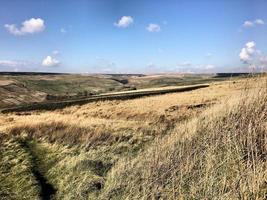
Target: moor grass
column 209, row 143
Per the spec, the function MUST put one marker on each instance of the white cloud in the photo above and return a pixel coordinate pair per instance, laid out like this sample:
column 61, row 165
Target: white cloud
column 249, row 24
column 255, row 60
column 244, row 56
column 13, row 29
column 124, row 22
column 30, row 26
column 63, row 30
column 153, row 28
column 263, row 59
column 259, row 22
column 247, row 52
column 49, row 61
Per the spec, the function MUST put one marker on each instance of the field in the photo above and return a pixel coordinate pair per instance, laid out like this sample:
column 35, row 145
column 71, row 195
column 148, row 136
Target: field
column 27, row 88
column 209, row 143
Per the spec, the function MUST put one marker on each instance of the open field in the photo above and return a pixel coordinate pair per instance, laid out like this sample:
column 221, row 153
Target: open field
column 209, row 143
column 24, row 88
column 53, row 105
column 133, row 100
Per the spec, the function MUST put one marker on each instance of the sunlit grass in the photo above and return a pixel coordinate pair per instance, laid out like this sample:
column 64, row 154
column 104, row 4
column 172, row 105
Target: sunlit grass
column 207, row 143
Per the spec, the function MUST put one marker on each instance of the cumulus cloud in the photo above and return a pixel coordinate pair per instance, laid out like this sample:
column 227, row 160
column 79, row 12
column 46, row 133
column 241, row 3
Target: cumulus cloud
column 259, row 22
column 153, row 28
column 249, row 24
column 254, row 59
column 49, row 61
column 247, row 52
column 124, row 22
column 30, row 26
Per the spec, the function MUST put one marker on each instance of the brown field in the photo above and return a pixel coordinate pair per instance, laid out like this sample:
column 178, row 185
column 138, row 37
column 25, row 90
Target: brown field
column 28, row 88
column 209, row 143
column 147, row 108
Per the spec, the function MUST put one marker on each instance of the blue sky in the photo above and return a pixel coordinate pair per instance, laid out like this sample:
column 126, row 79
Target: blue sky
column 138, row 36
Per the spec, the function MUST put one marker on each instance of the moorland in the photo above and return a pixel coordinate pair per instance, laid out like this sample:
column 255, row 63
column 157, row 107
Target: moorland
column 27, row 88
column 208, row 143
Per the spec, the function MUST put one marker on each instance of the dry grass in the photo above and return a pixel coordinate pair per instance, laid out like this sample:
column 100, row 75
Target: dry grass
column 191, row 145
column 111, row 122
column 219, row 155
column 16, row 178
column 5, row 82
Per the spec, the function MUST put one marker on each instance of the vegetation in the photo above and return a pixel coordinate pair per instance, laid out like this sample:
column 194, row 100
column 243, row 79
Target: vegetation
column 56, row 104
column 57, row 87
column 209, row 143
column 219, row 155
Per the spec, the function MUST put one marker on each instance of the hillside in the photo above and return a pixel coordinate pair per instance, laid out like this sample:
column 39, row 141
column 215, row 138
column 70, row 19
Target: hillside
column 27, row 88
column 200, row 144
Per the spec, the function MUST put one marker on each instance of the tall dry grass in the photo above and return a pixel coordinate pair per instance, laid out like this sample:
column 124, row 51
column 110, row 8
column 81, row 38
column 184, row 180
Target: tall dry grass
column 219, row 155
column 109, row 120
column 191, row 145
column 16, row 178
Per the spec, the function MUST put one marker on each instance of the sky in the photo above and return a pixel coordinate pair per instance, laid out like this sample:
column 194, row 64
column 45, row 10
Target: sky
column 138, row 36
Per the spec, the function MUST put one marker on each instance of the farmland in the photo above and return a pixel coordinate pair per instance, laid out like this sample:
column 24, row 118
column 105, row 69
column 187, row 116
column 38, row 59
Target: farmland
column 197, row 144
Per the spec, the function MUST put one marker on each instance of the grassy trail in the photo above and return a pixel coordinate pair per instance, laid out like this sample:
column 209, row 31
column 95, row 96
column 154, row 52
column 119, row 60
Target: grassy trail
column 47, row 190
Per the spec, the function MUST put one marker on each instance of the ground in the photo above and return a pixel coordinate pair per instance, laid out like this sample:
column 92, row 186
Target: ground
column 25, row 88
column 129, row 149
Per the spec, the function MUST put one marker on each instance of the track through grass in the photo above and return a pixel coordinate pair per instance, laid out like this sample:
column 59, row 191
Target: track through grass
column 47, row 190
